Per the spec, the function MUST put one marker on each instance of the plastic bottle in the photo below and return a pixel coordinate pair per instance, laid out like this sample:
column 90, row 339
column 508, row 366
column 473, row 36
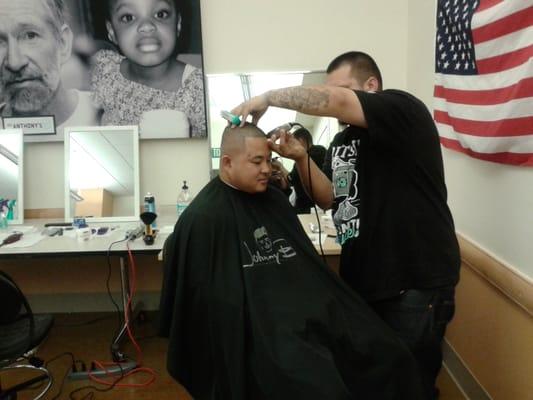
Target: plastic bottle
column 11, row 209
column 3, row 220
column 184, row 198
column 149, row 205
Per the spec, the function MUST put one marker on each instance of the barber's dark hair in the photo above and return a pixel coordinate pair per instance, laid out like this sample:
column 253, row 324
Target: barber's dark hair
column 305, row 135
column 363, row 66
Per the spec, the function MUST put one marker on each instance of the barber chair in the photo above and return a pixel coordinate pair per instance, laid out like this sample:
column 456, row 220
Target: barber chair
column 21, row 332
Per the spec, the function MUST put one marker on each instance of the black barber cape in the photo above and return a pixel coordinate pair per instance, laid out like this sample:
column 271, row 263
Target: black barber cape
column 252, row 312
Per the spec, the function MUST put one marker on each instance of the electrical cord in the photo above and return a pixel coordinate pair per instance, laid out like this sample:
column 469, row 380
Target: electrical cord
column 66, row 353
column 312, row 196
column 35, row 382
column 117, row 308
column 90, row 395
column 27, row 385
column 36, row 362
column 102, row 365
column 73, row 360
column 126, row 314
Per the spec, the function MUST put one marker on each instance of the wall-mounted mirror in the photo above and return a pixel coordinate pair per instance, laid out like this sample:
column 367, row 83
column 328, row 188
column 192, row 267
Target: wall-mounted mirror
column 11, row 175
column 102, row 173
column 226, row 91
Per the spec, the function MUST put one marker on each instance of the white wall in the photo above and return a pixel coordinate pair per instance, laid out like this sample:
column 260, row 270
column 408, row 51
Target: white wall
column 492, row 204
column 244, row 35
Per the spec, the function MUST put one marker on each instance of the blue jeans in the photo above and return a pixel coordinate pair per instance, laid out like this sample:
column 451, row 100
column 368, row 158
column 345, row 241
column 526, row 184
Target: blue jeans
column 419, row 318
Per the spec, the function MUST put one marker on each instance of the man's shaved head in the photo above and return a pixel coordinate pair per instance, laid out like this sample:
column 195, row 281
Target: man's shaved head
column 233, row 138
column 245, row 159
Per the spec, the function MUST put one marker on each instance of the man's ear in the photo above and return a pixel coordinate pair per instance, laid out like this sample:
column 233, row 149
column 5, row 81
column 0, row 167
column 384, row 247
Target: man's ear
column 225, row 161
column 65, row 43
column 111, row 33
column 371, row 84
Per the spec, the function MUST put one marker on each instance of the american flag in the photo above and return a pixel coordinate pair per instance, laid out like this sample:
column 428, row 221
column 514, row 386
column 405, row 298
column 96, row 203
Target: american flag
column 483, row 98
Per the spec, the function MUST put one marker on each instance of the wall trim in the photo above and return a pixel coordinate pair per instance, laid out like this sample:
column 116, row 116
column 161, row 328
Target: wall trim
column 461, row 374
column 513, row 284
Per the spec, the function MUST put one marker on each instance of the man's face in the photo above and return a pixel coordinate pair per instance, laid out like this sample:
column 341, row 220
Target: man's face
column 30, row 56
column 250, row 169
column 144, row 30
column 343, row 77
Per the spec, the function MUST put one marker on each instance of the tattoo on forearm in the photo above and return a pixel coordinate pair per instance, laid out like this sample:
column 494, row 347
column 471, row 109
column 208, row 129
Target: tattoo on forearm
column 300, row 99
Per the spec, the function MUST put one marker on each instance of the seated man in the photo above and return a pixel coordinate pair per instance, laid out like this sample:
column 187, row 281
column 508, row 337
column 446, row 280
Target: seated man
column 251, row 310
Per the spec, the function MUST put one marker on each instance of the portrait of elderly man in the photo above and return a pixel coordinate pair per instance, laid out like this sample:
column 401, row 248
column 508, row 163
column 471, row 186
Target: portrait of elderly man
column 35, row 42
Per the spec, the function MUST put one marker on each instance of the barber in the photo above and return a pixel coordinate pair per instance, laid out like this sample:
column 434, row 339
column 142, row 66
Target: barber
column 384, row 179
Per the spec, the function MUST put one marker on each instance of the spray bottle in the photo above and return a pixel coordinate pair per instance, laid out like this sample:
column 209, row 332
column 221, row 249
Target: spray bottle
column 184, row 198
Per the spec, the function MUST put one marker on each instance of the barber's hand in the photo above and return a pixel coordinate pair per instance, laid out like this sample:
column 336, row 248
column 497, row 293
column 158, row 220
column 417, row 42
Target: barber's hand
column 288, row 146
column 255, row 107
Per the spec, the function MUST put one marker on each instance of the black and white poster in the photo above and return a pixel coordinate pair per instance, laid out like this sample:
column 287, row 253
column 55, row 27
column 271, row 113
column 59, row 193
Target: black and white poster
column 102, row 62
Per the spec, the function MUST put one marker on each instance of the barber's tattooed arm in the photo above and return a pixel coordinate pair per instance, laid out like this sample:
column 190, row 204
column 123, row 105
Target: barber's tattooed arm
column 308, row 100
column 327, row 101
column 323, row 100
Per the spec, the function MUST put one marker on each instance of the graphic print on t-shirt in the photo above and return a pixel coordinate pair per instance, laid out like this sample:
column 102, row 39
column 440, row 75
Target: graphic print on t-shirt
column 345, row 179
column 265, row 250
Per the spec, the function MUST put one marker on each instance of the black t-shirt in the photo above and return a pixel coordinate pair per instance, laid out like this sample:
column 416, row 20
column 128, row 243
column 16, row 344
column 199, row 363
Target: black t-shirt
column 303, row 202
column 390, row 209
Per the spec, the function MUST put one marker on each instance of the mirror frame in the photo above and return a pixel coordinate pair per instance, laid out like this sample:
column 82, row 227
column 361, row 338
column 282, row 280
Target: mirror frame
column 136, row 187
column 20, row 177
